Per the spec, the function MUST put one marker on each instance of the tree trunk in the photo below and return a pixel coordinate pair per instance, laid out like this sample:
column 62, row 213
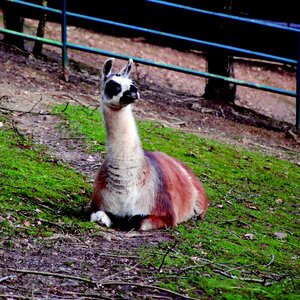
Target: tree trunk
column 220, row 63
column 13, row 21
column 38, row 46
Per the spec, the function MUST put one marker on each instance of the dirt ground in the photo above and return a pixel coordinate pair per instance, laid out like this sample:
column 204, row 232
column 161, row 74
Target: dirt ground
column 29, row 86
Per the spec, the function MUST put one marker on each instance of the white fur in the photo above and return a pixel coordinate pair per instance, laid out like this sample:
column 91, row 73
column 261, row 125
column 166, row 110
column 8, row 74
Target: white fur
column 146, row 225
column 125, row 194
column 101, row 216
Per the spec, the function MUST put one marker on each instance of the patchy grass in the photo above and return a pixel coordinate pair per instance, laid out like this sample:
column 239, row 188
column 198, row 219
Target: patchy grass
column 248, row 245
column 38, row 194
column 246, row 248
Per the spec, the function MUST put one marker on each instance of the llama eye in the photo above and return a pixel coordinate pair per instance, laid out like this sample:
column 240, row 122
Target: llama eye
column 112, row 88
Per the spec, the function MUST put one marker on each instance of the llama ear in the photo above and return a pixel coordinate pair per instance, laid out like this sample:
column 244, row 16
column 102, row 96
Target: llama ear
column 107, row 68
column 127, row 69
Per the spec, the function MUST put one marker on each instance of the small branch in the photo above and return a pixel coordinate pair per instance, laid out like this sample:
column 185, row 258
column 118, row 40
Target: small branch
column 53, row 274
column 248, row 279
column 85, row 295
column 107, row 283
column 271, row 261
column 11, row 296
column 26, row 112
column 165, row 255
column 9, row 277
column 31, row 109
column 13, row 123
column 221, row 272
column 52, row 223
column 120, row 272
column 191, row 268
column 65, row 108
column 146, row 286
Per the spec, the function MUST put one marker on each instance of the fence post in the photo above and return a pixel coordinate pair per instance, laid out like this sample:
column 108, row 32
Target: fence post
column 298, row 87
column 64, row 41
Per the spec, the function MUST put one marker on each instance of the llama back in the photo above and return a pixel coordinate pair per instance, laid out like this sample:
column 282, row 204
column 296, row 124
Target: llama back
column 180, row 195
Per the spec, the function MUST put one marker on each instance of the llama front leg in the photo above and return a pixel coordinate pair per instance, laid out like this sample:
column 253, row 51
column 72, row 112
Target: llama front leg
column 102, row 217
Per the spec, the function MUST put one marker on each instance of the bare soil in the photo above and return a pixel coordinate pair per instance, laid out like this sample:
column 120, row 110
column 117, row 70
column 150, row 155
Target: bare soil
column 29, row 86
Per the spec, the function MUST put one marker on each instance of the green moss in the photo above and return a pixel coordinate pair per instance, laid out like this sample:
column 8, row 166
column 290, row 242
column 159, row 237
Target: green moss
column 33, row 187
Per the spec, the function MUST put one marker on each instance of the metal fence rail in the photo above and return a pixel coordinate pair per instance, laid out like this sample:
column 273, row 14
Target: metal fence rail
column 64, row 45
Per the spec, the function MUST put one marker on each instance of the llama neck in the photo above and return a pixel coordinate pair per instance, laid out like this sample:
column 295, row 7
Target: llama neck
column 122, row 140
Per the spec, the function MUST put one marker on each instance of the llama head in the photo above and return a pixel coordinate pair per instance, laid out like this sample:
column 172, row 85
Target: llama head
column 118, row 90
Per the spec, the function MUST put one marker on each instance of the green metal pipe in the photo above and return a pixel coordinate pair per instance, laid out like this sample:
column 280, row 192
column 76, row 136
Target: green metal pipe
column 182, row 70
column 33, row 37
column 64, row 40
column 298, row 88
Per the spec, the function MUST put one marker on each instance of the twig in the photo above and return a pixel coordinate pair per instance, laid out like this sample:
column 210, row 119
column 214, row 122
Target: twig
column 221, row 272
column 10, row 296
column 52, row 223
column 271, row 261
column 165, row 255
column 9, row 277
column 191, row 268
column 13, row 123
column 26, row 112
column 146, row 286
column 232, row 221
column 53, row 274
column 30, row 111
column 107, row 283
column 117, row 273
column 65, row 108
column 118, row 256
column 261, row 281
column 77, row 294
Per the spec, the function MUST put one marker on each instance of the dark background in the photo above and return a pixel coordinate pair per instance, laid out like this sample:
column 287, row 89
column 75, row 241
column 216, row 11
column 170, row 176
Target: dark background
column 196, row 25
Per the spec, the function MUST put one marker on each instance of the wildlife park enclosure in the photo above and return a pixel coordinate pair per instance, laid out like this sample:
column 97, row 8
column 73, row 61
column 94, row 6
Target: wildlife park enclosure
column 248, row 246
column 221, row 83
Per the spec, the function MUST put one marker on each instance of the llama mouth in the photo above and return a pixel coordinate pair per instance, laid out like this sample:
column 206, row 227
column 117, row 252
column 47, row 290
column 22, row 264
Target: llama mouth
column 129, row 97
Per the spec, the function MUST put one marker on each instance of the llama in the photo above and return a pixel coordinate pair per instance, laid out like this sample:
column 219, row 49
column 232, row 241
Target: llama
column 134, row 188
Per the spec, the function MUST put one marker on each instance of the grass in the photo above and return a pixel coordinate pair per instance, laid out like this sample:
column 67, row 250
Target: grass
column 33, row 186
column 246, row 248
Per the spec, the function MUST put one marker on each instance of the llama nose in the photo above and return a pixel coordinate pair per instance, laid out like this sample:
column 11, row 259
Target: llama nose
column 129, row 97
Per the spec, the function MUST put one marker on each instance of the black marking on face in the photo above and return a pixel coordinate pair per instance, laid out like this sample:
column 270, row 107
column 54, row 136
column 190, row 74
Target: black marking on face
column 112, row 88
column 129, row 96
column 133, row 89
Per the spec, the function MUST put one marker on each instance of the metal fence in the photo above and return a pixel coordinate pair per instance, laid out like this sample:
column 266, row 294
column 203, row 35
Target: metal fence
column 65, row 45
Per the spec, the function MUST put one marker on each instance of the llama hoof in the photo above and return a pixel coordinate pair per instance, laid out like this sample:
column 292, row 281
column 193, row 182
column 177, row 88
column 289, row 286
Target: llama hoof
column 146, row 225
column 101, row 216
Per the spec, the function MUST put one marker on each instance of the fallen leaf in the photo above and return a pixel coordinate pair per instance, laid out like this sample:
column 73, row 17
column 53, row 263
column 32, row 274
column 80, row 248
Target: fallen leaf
column 248, row 236
column 26, row 223
column 280, row 235
column 252, row 207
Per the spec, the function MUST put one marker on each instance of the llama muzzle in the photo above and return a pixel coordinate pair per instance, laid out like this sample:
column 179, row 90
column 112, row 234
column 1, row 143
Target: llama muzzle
column 129, row 97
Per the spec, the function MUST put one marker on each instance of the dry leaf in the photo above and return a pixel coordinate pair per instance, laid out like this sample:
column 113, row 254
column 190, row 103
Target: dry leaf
column 248, row 236
column 280, row 235
column 26, row 223
column 252, row 207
